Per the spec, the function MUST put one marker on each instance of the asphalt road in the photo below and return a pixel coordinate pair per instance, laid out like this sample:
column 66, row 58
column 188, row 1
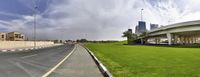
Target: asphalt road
column 32, row 63
column 79, row 64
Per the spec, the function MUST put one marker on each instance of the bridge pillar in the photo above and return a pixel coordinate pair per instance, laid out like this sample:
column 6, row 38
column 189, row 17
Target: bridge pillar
column 182, row 39
column 157, row 40
column 195, row 40
column 176, row 39
column 169, row 38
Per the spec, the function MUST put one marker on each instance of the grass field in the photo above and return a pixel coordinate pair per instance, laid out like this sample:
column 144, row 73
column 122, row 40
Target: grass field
column 148, row 61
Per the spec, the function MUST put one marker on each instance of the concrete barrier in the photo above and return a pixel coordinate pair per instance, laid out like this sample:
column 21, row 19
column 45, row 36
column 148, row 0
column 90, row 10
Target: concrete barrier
column 23, row 44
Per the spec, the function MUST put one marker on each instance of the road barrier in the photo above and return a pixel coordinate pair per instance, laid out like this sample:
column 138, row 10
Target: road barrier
column 22, row 44
column 28, row 48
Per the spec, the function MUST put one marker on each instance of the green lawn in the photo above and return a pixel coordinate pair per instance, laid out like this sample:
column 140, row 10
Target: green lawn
column 148, row 61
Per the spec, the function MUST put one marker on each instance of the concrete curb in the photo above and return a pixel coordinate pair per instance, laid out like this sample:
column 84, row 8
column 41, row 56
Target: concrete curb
column 102, row 68
column 22, row 49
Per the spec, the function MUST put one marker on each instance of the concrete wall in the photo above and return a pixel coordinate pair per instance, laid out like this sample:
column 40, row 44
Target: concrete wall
column 22, row 44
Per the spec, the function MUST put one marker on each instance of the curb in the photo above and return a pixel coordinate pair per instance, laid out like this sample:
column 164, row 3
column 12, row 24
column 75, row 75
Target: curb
column 101, row 67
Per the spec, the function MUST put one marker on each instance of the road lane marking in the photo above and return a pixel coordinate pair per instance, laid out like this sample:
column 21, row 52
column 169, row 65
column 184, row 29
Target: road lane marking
column 57, row 65
column 24, row 69
column 29, row 56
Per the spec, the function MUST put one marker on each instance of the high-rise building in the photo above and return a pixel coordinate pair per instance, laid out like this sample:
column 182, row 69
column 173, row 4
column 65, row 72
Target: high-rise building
column 136, row 29
column 153, row 26
column 141, row 26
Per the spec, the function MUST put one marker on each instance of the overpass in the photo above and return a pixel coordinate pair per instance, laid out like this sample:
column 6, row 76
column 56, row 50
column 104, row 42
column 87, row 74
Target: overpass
column 179, row 33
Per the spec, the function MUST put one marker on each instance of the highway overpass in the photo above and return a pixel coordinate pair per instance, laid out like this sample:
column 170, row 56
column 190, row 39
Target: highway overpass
column 179, row 33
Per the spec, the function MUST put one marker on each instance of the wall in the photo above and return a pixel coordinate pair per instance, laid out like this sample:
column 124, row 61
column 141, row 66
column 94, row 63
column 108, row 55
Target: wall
column 22, row 44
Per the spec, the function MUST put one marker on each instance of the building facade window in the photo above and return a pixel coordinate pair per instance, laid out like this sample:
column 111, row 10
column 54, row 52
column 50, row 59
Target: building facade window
column 2, row 36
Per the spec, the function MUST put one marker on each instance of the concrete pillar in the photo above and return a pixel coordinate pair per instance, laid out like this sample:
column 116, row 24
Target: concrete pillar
column 175, row 39
column 188, row 40
column 169, row 38
column 157, row 40
column 193, row 40
column 182, row 40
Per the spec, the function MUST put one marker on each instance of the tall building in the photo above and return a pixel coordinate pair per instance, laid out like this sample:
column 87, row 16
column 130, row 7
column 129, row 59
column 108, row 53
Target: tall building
column 136, row 29
column 153, row 26
column 142, row 27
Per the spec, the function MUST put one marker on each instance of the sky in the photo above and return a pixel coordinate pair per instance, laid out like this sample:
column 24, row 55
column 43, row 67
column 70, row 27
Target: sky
column 91, row 19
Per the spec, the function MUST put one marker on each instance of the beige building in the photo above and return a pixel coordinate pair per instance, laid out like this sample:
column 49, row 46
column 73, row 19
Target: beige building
column 2, row 36
column 15, row 36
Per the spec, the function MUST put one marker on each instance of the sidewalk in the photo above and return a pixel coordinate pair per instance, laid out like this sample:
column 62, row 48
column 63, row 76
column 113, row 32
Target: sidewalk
column 79, row 64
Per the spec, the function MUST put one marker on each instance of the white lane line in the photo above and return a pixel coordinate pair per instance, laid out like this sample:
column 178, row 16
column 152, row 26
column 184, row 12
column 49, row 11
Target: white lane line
column 24, row 69
column 29, row 56
column 57, row 65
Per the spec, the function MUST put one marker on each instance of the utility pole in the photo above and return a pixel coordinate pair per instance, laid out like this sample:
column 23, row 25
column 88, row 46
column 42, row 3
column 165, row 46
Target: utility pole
column 142, row 14
column 34, row 22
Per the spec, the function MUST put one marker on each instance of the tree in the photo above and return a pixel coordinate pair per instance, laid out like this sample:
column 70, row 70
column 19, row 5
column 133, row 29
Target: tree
column 82, row 40
column 130, row 36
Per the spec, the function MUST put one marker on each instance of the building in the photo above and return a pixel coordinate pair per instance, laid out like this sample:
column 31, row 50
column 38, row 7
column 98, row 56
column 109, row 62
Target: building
column 2, row 36
column 15, row 36
column 130, row 30
column 136, row 29
column 141, row 26
column 153, row 26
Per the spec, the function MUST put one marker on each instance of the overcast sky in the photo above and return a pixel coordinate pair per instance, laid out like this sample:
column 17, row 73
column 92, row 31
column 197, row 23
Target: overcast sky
column 91, row 19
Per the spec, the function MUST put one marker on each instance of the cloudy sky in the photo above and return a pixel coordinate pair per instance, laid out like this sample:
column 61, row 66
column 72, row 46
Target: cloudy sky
column 91, row 19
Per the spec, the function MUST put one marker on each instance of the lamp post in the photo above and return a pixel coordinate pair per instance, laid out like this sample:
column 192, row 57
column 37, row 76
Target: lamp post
column 142, row 14
column 34, row 22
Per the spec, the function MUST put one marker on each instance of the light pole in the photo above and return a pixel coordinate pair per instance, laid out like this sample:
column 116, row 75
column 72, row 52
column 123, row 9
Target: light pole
column 142, row 14
column 34, row 22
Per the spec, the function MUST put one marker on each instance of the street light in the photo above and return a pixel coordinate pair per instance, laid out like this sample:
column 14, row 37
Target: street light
column 34, row 22
column 141, row 14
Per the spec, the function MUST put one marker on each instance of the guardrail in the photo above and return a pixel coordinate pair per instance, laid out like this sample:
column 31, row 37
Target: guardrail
column 102, row 68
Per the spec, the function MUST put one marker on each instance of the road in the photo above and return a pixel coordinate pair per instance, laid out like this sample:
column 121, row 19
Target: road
column 32, row 63
column 79, row 64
